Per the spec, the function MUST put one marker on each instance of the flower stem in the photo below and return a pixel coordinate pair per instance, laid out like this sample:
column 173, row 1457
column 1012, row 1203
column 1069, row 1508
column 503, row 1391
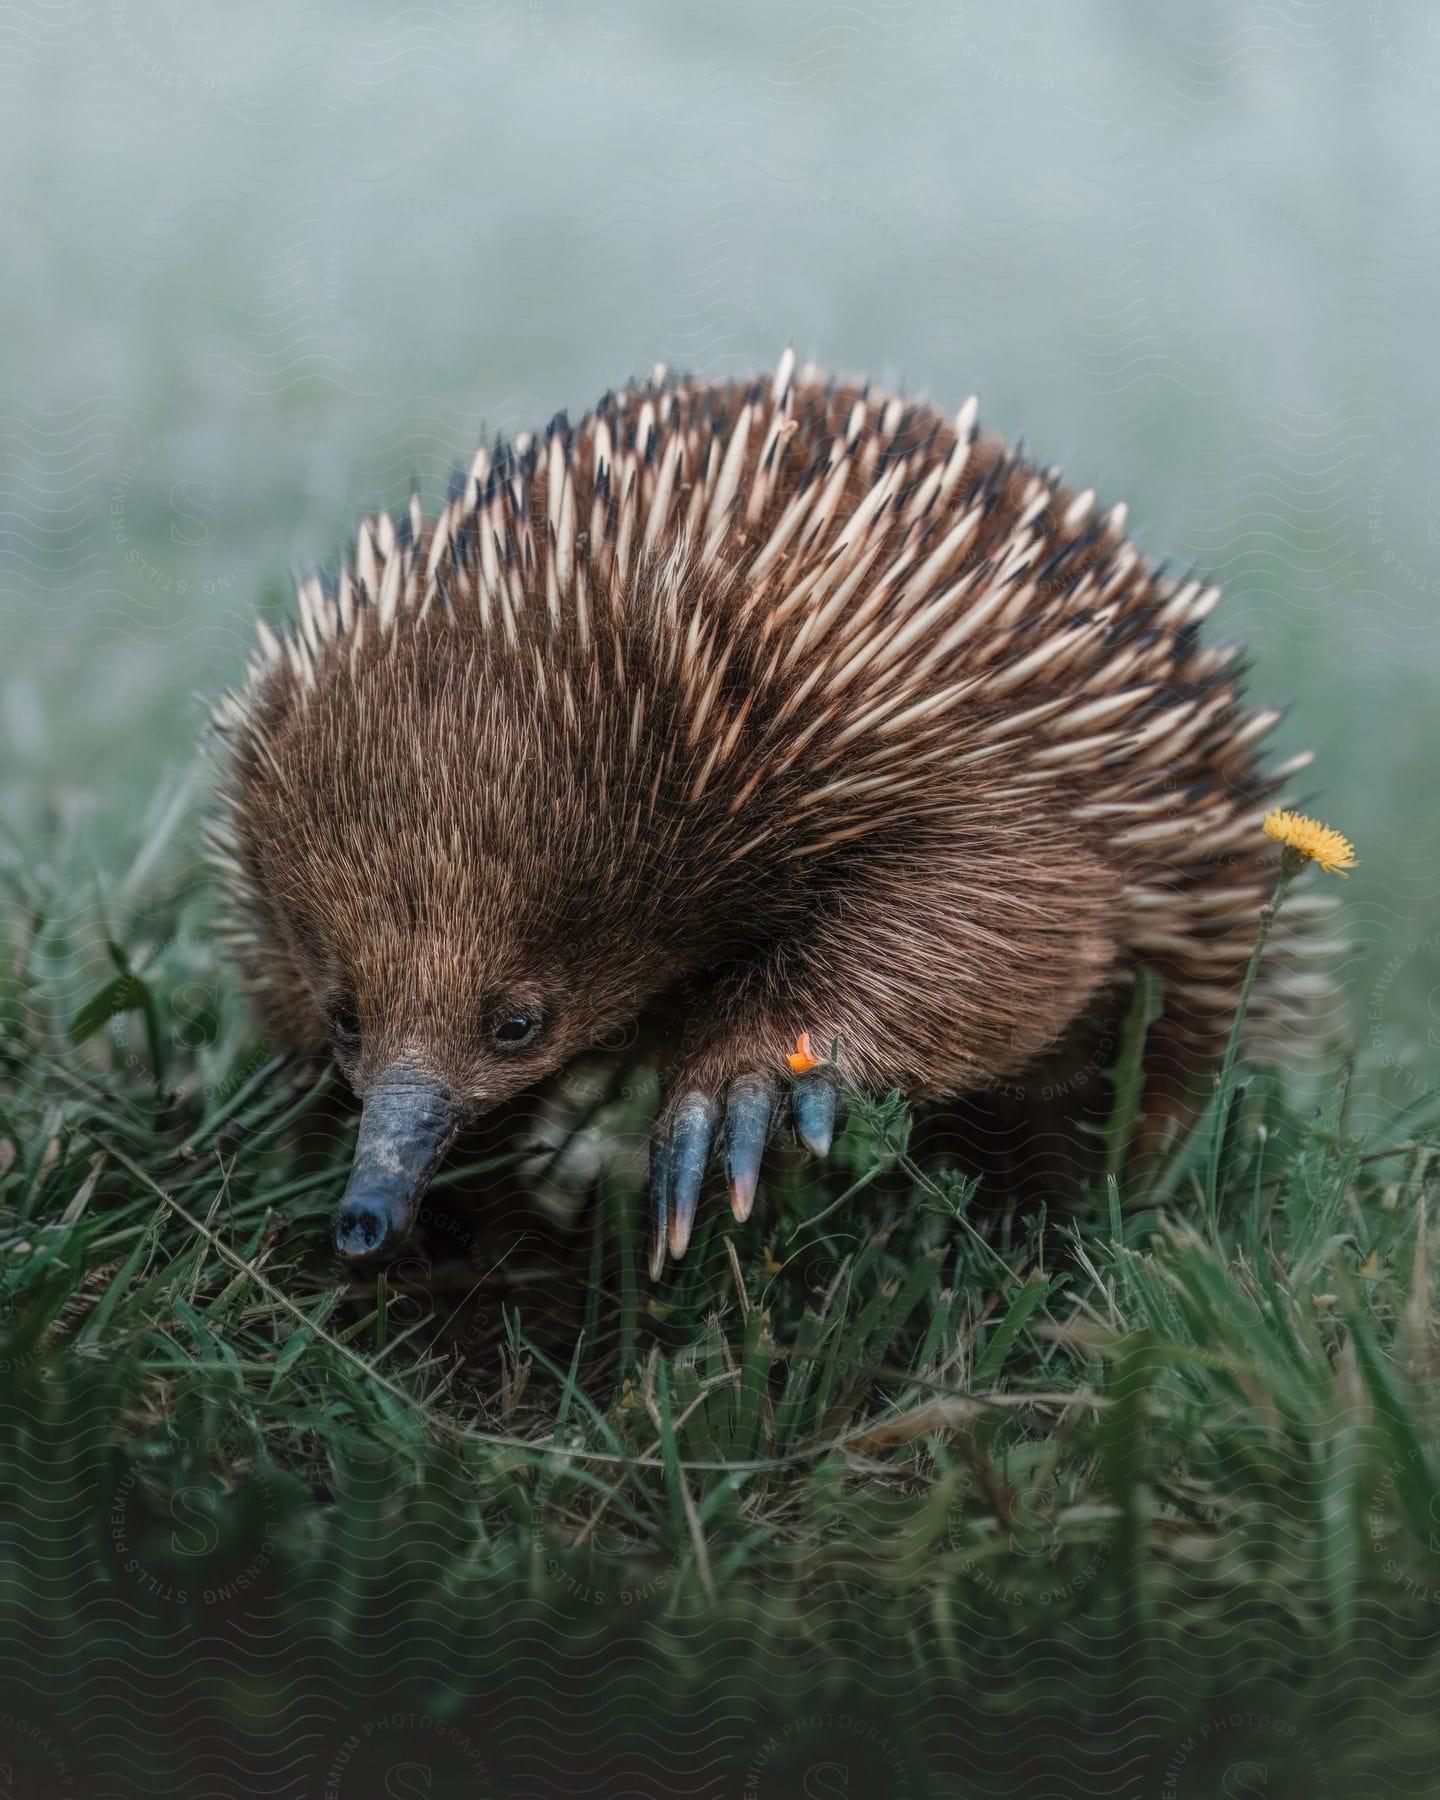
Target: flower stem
column 1232, row 1047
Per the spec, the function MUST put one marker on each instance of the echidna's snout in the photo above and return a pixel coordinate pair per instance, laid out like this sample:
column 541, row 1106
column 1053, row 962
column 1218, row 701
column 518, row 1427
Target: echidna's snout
column 408, row 1123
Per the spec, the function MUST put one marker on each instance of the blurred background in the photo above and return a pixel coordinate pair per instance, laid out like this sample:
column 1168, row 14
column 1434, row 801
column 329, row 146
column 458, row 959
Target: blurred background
column 265, row 266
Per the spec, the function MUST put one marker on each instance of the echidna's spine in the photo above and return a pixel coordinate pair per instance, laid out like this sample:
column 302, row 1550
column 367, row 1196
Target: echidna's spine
column 850, row 598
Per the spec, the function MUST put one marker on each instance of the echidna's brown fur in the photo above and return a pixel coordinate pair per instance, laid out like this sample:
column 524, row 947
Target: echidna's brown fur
column 790, row 706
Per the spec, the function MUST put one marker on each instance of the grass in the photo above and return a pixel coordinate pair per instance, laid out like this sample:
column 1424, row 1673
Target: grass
column 888, row 1492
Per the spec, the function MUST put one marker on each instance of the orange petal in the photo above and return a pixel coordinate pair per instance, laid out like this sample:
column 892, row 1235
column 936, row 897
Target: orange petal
column 800, row 1058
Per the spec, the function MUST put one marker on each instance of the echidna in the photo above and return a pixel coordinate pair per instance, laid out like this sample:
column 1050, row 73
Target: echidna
column 755, row 713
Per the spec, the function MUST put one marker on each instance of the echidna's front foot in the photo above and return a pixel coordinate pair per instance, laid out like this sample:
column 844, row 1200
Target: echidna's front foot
column 745, row 1111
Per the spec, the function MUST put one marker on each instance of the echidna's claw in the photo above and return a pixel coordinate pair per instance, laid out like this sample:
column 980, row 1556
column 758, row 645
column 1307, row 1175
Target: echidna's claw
column 686, row 1132
column 659, row 1204
column 813, row 1104
column 748, row 1113
column 690, row 1137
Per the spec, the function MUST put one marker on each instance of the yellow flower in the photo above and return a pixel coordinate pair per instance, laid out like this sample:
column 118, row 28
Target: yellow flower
column 1307, row 840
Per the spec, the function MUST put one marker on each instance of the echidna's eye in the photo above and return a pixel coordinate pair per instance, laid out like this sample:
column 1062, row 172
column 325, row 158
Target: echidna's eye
column 516, row 1030
column 344, row 1021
